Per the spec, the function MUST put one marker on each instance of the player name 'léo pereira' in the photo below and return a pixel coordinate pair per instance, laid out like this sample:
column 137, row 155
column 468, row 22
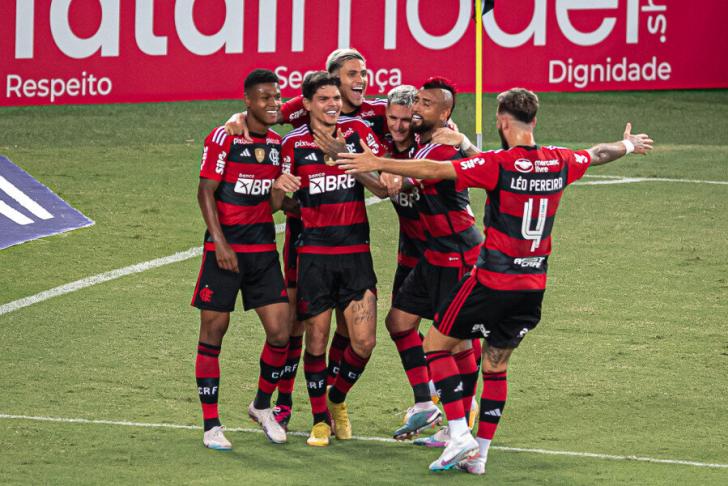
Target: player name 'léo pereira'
column 537, row 185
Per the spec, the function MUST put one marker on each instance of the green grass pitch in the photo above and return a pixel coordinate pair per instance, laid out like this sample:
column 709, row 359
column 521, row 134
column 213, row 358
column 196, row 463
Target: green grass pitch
column 630, row 358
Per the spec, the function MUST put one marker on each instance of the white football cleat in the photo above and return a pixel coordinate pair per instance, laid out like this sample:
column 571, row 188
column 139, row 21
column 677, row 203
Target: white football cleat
column 267, row 420
column 417, row 419
column 474, row 465
column 215, row 439
column 438, row 439
column 458, row 449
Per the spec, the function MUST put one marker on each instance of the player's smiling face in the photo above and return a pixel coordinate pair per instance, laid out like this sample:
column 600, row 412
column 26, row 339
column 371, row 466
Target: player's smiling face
column 399, row 119
column 264, row 102
column 325, row 105
column 426, row 110
column 353, row 76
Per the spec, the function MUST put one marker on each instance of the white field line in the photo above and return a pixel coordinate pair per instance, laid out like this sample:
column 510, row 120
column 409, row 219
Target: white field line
column 118, row 273
column 590, row 455
column 193, row 252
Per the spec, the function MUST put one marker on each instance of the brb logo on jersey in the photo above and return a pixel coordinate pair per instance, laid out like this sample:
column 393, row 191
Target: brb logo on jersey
column 250, row 186
column 320, row 183
column 406, row 199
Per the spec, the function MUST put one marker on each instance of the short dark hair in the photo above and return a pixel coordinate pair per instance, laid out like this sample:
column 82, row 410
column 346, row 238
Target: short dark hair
column 260, row 76
column 436, row 82
column 313, row 81
column 521, row 103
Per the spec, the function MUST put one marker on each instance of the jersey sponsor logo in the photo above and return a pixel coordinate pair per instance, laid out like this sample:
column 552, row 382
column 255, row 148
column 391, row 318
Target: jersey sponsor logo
column 240, row 141
column 312, row 157
column 320, row 183
column 523, row 165
column 245, row 153
column 260, row 154
column 472, row 163
column 367, row 113
column 529, row 262
column 543, row 165
column 347, row 132
column 272, row 141
column 406, row 199
column 372, row 142
column 274, row 156
column 220, row 164
column 304, row 144
column 250, row 186
column 537, row 185
column 204, row 157
column 297, row 114
column 581, row 159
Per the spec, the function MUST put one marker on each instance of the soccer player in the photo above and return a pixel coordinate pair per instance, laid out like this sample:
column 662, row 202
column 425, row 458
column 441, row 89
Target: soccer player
column 335, row 267
column 236, row 177
column 451, row 243
column 500, row 299
column 349, row 66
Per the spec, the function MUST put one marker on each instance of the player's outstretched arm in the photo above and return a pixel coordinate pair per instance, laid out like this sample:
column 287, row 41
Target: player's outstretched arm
column 447, row 136
column 607, row 152
column 237, row 125
column 417, row 168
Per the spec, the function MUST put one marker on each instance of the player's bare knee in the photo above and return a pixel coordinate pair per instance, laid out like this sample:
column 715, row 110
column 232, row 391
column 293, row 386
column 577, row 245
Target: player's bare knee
column 364, row 346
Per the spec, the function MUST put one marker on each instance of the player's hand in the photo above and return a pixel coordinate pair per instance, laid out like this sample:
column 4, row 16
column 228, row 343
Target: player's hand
column 452, row 125
column 287, row 183
column 354, row 163
column 237, row 125
column 392, row 182
column 227, row 259
column 642, row 142
column 330, row 145
column 447, row 136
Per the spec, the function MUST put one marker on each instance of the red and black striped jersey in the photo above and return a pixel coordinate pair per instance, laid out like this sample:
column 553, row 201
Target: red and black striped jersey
column 451, row 237
column 411, row 245
column 373, row 111
column 524, row 186
column 246, row 172
column 332, row 202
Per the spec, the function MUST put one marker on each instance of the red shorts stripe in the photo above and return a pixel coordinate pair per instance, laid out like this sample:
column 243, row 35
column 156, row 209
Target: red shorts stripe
column 454, row 309
column 199, row 276
column 504, row 281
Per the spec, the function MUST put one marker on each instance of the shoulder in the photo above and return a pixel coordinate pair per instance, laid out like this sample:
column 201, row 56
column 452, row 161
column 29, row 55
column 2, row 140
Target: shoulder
column 272, row 136
column 295, row 134
column 379, row 105
column 217, row 137
column 437, row 151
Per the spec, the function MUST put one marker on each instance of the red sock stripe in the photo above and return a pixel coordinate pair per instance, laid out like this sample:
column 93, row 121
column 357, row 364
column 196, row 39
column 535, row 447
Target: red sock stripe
column 465, row 361
column 207, row 366
column 314, row 364
column 454, row 309
column 418, row 376
column 477, row 349
column 209, row 411
column 495, row 393
column 274, row 355
column 406, row 340
column 354, row 360
column 443, row 370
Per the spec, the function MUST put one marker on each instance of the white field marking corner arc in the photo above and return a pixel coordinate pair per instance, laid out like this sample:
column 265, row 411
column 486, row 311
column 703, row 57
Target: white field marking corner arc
column 193, row 252
column 589, row 455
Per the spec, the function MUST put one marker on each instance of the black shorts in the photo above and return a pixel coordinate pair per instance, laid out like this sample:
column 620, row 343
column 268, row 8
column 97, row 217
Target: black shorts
column 502, row 317
column 399, row 276
column 260, row 280
column 328, row 281
column 294, row 227
column 425, row 288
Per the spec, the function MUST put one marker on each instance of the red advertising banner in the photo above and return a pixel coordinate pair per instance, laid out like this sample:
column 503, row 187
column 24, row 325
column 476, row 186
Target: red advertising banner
column 103, row 51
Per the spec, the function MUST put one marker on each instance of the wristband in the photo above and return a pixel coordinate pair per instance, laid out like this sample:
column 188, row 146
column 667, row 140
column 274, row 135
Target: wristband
column 466, row 143
column 629, row 146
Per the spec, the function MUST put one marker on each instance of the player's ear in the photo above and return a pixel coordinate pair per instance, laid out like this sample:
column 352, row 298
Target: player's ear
column 306, row 103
